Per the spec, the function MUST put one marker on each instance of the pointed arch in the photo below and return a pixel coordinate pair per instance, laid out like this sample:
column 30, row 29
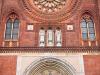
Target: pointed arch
column 87, row 27
column 12, row 10
column 12, row 30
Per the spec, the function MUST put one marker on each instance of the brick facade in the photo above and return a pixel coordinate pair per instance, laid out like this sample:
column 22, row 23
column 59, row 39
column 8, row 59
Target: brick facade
column 92, row 64
column 26, row 38
column 8, row 65
column 72, row 43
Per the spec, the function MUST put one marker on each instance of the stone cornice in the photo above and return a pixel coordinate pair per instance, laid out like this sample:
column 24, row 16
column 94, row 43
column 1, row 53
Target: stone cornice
column 49, row 49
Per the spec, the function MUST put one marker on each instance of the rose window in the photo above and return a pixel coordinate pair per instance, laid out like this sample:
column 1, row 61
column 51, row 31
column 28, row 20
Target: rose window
column 49, row 5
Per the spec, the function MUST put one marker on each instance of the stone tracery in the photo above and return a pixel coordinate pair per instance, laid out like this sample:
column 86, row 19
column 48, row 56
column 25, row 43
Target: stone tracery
column 49, row 5
column 61, row 11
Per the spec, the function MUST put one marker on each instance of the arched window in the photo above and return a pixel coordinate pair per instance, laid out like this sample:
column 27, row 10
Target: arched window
column 87, row 28
column 12, row 31
column 50, row 37
column 58, row 37
column 42, row 37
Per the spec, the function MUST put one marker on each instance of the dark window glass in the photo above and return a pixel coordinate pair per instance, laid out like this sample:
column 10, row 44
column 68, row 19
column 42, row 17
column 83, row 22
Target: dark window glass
column 84, row 29
column 15, row 29
column 8, row 29
column 83, row 24
column 87, row 28
column 91, row 29
column 92, row 37
column 12, row 28
column 14, row 36
column 16, row 24
column 7, row 36
column 84, row 36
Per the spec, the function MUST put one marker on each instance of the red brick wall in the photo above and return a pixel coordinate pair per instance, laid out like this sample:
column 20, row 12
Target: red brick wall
column 0, row 6
column 92, row 64
column 7, row 65
column 29, row 39
column 99, row 6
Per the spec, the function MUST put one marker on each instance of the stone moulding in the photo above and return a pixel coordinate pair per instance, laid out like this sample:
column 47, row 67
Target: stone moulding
column 37, row 66
column 49, row 49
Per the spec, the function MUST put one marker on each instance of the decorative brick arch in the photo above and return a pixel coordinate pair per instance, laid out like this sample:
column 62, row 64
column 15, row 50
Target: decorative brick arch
column 91, row 12
column 9, row 11
column 50, row 64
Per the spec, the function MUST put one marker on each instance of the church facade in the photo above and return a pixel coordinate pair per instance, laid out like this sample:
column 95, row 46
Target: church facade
column 49, row 37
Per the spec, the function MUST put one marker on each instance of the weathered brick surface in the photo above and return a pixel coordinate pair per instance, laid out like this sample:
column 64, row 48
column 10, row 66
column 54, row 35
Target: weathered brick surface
column 92, row 64
column 30, row 39
column 7, row 65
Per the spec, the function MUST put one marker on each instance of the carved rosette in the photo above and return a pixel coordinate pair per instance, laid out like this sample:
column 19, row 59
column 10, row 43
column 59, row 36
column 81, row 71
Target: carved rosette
column 49, row 6
column 50, row 10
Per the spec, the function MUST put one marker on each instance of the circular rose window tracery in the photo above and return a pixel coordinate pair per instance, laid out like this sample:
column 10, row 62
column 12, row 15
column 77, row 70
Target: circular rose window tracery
column 49, row 5
column 50, row 10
